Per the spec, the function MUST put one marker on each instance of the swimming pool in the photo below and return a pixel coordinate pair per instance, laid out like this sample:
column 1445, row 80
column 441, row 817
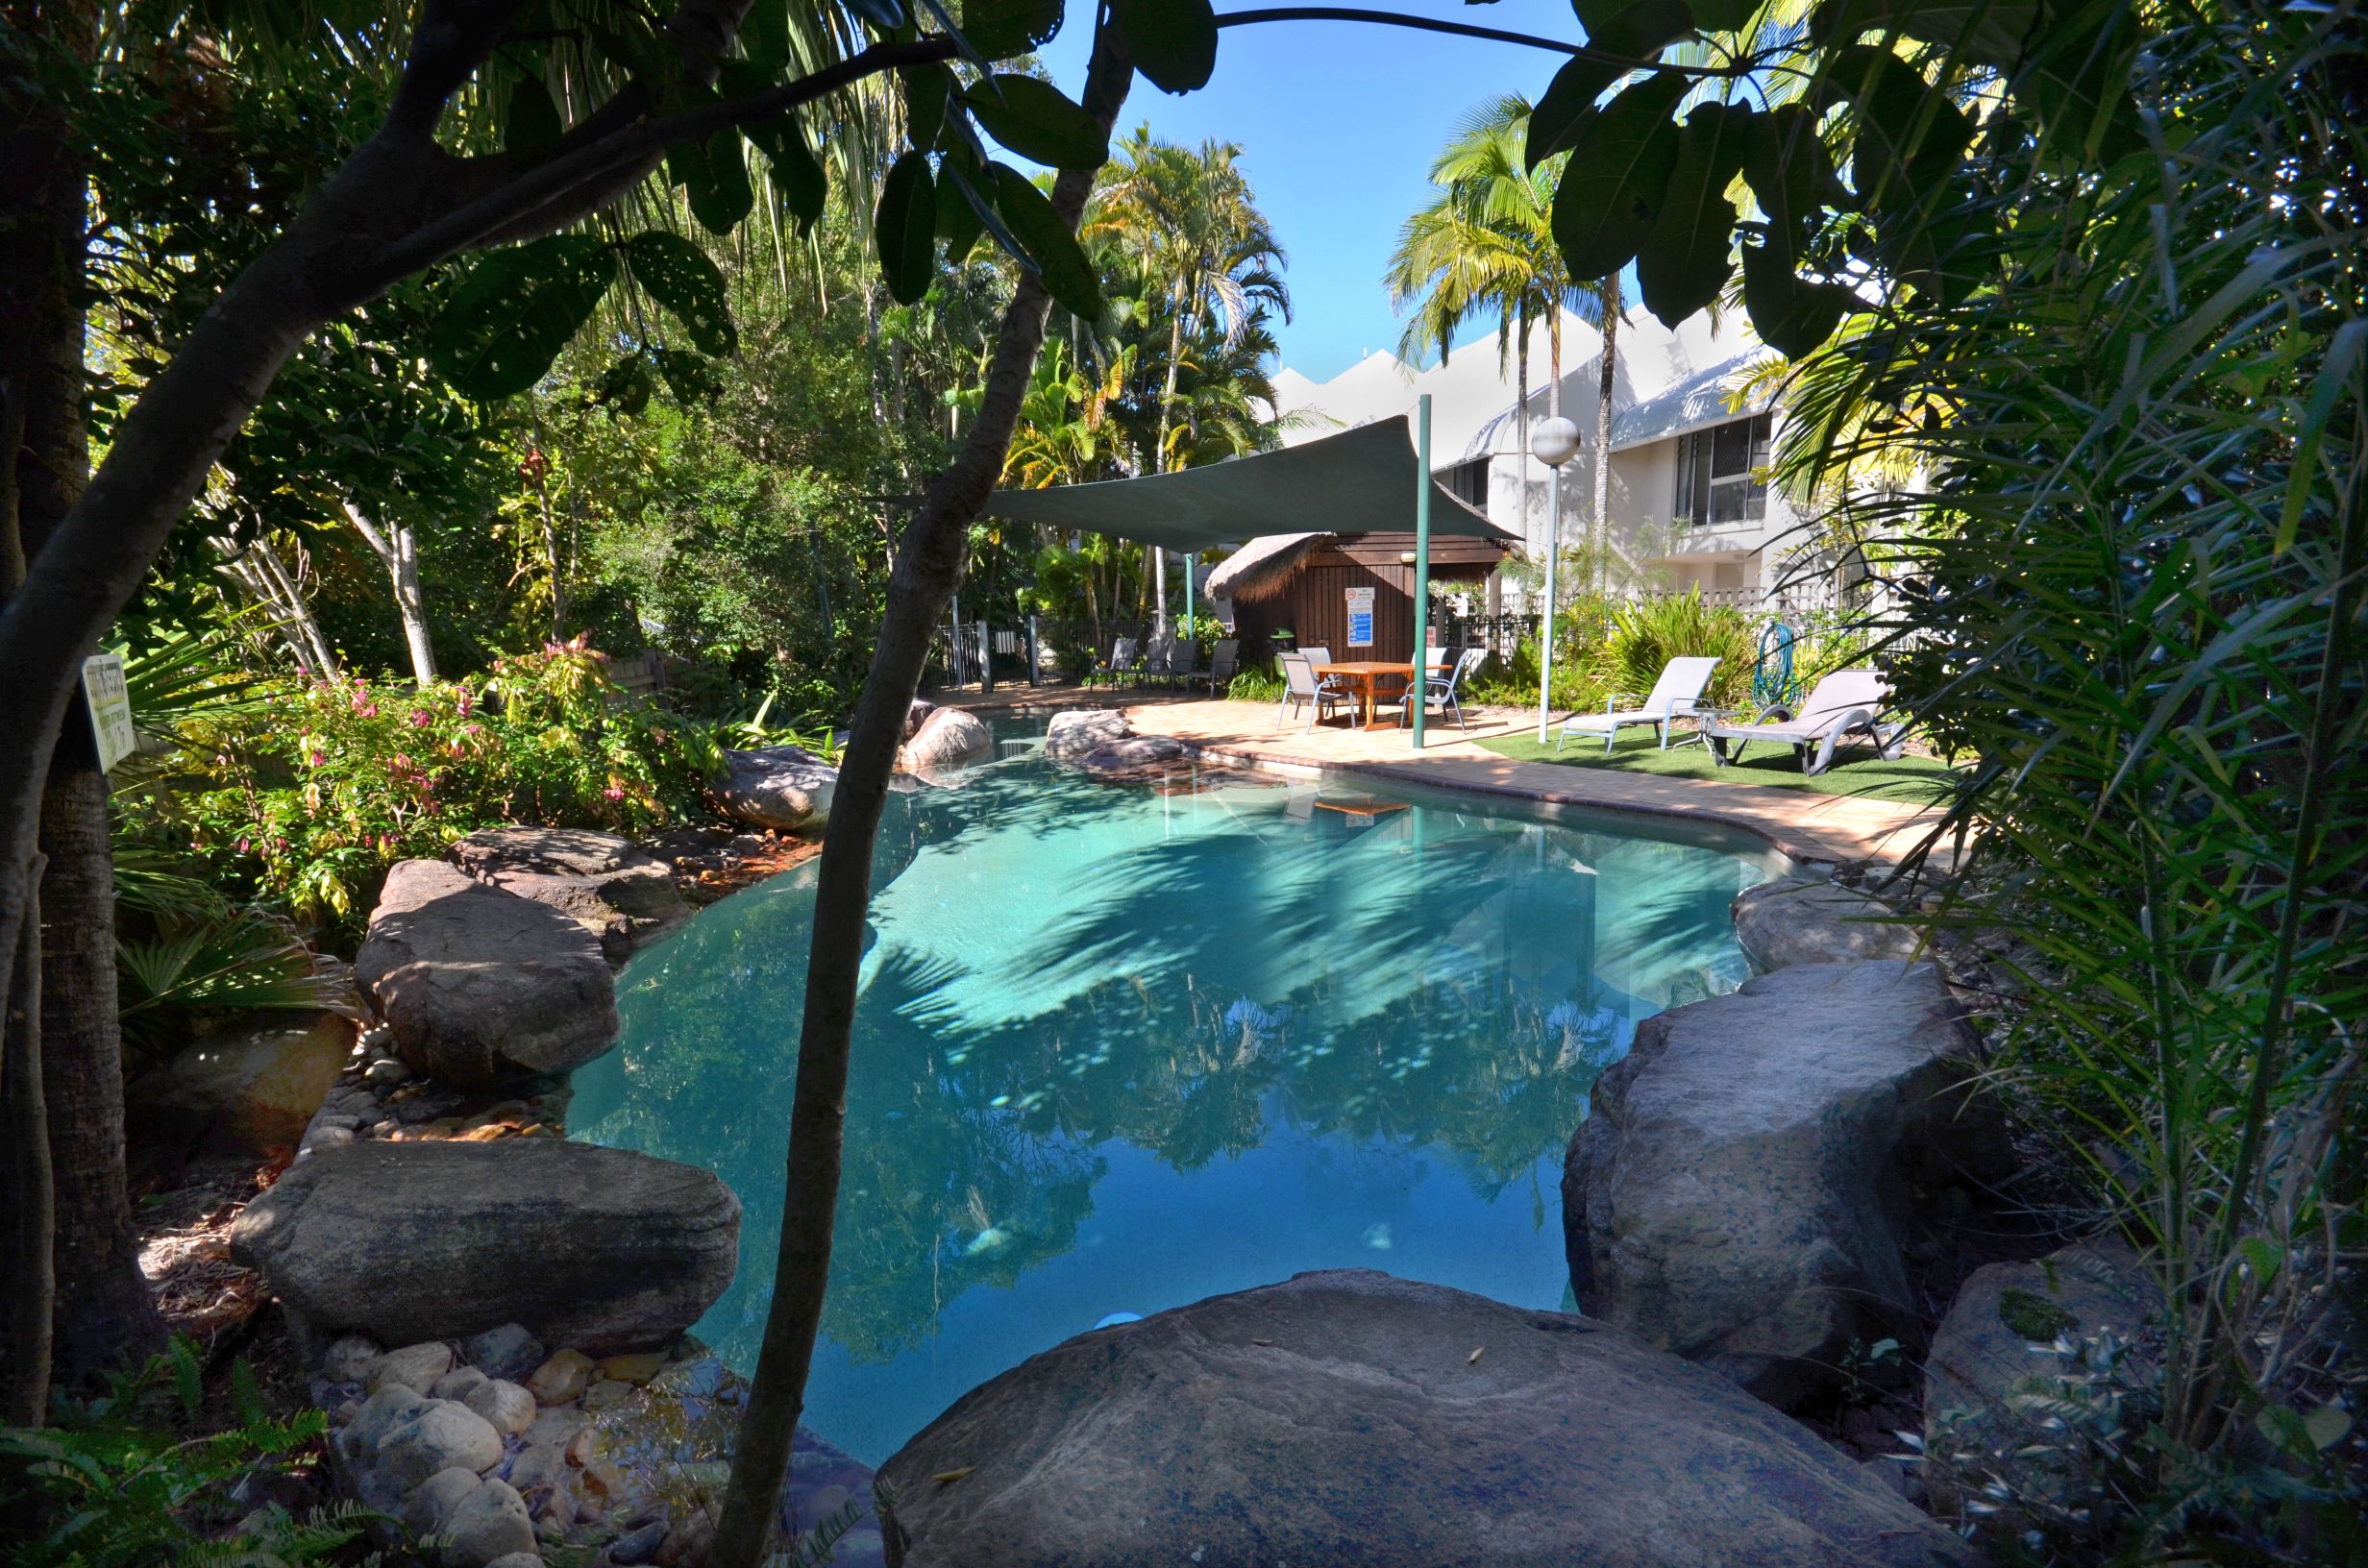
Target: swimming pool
column 1121, row 1049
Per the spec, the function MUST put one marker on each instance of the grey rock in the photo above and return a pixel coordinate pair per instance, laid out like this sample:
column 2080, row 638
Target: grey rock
column 381, row 1413
column 510, row 1407
column 489, row 1524
column 602, row 1249
column 617, row 891
column 517, row 1559
column 916, row 714
column 1072, row 734
column 388, row 1070
column 507, row 1352
column 459, row 1383
column 480, row 986
column 1994, row 1354
column 249, row 1087
column 415, row 1366
column 350, row 1358
column 1343, row 1417
column 638, row 1546
column 1733, row 1193
column 945, row 739
column 781, row 787
column 442, row 1437
column 1783, row 924
column 1134, row 752
column 432, row 1501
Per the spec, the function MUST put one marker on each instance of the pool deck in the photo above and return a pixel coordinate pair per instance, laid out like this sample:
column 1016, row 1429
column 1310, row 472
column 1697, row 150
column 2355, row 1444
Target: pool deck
column 1802, row 823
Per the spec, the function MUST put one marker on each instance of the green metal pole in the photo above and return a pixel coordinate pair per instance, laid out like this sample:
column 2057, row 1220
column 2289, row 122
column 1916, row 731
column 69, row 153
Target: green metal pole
column 1422, row 562
column 1189, row 640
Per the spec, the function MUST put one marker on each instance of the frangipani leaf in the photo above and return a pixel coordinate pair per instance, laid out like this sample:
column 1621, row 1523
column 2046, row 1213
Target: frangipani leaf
column 714, row 177
column 1633, row 28
column 1793, row 315
column 1035, row 119
column 1000, row 29
column 1570, row 99
column 1172, row 41
column 796, row 175
column 1618, row 177
column 516, row 310
column 1049, row 245
column 906, row 227
column 680, row 276
column 532, row 127
column 1684, row 262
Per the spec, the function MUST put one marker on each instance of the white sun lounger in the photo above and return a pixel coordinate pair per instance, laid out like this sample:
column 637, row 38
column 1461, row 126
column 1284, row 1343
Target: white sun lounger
column 1846, row 703
column 1678, row 691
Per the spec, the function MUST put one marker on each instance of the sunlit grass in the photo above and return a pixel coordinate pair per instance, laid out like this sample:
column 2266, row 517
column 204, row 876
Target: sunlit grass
column 1856, row 771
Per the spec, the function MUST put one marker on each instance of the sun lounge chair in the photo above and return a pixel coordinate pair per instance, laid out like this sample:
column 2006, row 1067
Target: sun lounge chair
column 1439, row 690
column 1300, row 684
column 1846, row 703
column 1678, row 691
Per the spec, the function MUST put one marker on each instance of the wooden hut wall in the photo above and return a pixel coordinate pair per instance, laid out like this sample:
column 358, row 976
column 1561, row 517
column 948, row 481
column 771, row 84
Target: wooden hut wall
column 1316, row 605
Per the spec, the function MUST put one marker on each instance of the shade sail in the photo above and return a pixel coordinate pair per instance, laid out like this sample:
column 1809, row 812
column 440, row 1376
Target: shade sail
column 1359, row 481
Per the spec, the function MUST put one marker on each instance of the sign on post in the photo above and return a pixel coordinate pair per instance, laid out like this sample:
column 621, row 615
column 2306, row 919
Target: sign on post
column 1359, row 617
column 111, row 708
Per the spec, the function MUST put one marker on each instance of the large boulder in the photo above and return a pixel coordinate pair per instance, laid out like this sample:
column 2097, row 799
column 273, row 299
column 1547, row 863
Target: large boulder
column 1995, row 1370
column 477, row 986
column 1072, row 734
column 1350, row 1417
column 619, row 891
column 1734, row 1195
column 947, row 739
column 1783, row 924
column 247, row 1087
column 781, row 786
column 1133, row 752
column 604, row 1250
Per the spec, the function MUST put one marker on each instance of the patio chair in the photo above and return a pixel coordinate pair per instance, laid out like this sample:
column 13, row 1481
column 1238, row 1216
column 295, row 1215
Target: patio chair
column 1223, row 664
column 1300, row 684
column 1159, row 660
column 1678, row 691
column 1441, row 691
column 1122, row 660
column 1846, row 703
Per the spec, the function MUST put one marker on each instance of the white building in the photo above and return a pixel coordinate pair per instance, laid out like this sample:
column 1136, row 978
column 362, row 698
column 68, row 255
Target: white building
column 1689, row 503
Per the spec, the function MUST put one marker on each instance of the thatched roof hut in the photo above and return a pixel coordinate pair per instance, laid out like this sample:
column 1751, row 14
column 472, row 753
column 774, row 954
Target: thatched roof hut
column 1302, row 583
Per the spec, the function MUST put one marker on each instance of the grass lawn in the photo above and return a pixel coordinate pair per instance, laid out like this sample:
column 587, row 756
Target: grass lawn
column 1857, row 769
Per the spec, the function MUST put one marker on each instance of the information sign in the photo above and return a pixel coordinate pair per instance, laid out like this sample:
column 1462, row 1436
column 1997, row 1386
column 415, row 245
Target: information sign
column 1359, row 617
column 111, row 708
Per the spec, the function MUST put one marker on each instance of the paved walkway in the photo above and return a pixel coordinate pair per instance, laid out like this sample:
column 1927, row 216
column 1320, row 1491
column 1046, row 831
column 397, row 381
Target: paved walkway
column 1800, row 823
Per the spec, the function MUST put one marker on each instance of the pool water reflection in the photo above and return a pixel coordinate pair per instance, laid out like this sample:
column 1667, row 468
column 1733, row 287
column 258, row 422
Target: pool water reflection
column 1119, row 1050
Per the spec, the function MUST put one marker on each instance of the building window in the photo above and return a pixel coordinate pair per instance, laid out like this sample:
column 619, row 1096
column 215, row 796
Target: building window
column 1719, row 473
column 1468, row 482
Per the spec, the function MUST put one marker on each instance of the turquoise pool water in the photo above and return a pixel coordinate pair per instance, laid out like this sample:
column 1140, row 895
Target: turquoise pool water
column 1121, row 1049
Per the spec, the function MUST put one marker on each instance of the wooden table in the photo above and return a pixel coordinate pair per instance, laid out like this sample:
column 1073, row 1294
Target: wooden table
column 1364, row 675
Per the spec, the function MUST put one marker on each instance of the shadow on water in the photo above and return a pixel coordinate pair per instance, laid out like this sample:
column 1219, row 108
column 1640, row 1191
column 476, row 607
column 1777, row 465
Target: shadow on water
column 1116, row 1051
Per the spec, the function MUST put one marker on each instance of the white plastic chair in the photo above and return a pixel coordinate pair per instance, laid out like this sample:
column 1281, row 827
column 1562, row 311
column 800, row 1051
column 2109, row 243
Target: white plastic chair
column 1844, row 703
column 1678, row 691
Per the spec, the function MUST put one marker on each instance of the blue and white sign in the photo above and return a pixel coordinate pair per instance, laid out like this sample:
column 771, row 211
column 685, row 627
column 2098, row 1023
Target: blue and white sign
column 1359, row 617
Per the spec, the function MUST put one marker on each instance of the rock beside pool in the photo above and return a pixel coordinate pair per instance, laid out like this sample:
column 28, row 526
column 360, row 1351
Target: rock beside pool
column 1993, row 1368
column 477, row 986
column 1734, row 1195
column 1135, row 751
column 1783, row 924
column 1072, row 734
column 249, row 1087
column 781, row 786
column 601, row 1250
column 916, row 714
column 945, row 739
column 1348, row 1416
column 614, row 888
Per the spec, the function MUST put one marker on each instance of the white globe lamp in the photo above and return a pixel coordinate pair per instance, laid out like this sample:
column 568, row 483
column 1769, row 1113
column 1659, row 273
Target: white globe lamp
column 1553, row 442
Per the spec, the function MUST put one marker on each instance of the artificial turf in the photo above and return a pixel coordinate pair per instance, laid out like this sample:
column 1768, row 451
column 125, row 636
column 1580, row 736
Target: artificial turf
column 1856, row 770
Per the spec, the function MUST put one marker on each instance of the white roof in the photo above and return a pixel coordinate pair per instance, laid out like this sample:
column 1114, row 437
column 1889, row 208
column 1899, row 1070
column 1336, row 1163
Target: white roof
column 1708, row 396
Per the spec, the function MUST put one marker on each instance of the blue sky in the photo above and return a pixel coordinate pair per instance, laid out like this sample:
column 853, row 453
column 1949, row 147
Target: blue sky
column 1337, row 124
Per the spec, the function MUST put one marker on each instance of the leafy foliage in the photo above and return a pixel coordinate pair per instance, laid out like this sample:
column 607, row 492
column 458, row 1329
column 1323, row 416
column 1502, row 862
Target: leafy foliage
column 1643, row 635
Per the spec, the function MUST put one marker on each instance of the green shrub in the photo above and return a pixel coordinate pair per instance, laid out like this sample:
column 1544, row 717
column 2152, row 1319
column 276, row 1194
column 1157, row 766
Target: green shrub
column 311, row 803
column 1259, row 680
column 1646, row 634
column 129, row 1480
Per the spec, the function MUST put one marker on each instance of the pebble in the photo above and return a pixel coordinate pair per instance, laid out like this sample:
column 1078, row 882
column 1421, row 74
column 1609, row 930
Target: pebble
column 541, row 1465
column 508, row 1408
column 637, row 1547
column 607, row 1395
column 426, row 1509
column 415, row 1366
column 558, row 1426
column 458, row 1384
column 636, row 1368
column 387, row 1070
column 506, row 1351
column 389, row 1408
column 517, row 1559
column 350, row 1358
column 561, row 1378
column 440, row 1437
column 487, row 1526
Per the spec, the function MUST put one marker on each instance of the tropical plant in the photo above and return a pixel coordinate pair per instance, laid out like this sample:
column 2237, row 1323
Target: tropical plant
column 1643, row 635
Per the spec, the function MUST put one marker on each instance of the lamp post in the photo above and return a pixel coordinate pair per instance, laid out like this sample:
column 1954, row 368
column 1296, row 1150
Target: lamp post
column 1553, row 442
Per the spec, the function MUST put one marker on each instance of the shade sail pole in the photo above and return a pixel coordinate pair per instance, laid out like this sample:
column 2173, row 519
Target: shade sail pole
column 1421, row 689
column 1192, row 635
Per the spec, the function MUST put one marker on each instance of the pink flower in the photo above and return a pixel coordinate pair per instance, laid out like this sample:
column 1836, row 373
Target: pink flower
column 465, row 702
column 318, row 758
column 613, row 793
column 370, row 712
column 242, row 845
column 419, row 717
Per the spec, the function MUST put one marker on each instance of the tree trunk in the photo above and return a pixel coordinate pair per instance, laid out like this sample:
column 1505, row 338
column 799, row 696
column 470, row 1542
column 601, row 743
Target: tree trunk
column 27, row 1227
column 1603, row 427
column 1159, row 458
column 104, row 1313
column 397, row 548
column 928, row 566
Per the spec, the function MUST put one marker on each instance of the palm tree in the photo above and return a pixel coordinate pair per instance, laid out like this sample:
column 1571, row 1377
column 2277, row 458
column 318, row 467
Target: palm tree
column 1188, row 222
column 1485, row 247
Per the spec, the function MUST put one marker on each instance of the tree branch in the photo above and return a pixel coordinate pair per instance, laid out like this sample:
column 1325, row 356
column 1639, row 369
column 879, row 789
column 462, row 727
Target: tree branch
column 1467, row 30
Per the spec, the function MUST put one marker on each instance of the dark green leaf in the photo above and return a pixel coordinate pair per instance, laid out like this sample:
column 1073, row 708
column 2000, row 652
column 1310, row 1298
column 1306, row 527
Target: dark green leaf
column 532, row 127
column 958, row 222
column 714, row 176
column 1172, row 41
column 886, row 15
column 1788, row 172
column 764, row 36
column 1556, row 121
column 687, row 375
column 680, row 275
column 1792, row 315
column 1619, row 173
column 1049, row 245
column 1633, row 28
column 925, row 90
column 625, row 386
column 516, row 310
column 796, row 175
column 1000, row 29
column 906, row 227
column 1983, row 32
column 1909, row 136
column 1036, row 121
column 1684, row 262
column 1722, row 15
